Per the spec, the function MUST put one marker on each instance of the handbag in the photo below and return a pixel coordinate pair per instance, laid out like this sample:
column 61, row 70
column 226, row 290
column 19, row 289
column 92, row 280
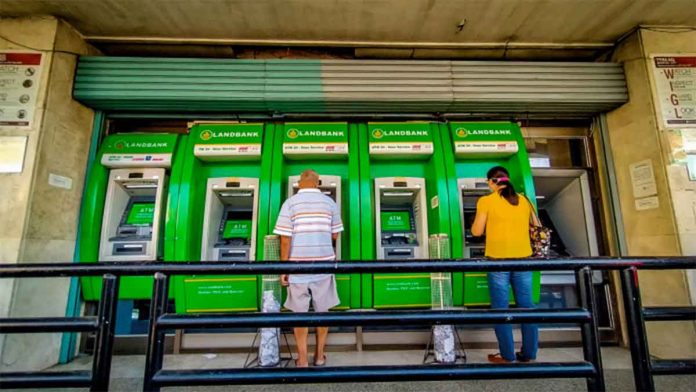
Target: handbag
column 539, row 236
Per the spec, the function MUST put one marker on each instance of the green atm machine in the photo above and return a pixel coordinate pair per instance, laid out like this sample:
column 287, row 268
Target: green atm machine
column 404, row 197
column 124, row 210
column 330, row 149
column 219, row 212
column 474, row 148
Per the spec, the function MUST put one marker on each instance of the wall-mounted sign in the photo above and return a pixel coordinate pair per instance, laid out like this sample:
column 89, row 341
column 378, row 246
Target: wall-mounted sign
column 227, row 142
column 675, row 82
column 323, row 141
column 12, row 149
column 485, row 140
column 138, row 150
column 643, row 179
column 20, row 74
column 400, row 139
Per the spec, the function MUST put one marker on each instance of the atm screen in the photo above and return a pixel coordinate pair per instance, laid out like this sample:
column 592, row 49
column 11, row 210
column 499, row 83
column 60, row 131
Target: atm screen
column 237, row 229
column 237, row 224
column 141, row 214
column 395, row 220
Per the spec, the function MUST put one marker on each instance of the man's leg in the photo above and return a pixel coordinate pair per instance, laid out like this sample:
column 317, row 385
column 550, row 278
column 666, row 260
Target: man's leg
column 298, row 301
column 301, row 342
column 322, row 333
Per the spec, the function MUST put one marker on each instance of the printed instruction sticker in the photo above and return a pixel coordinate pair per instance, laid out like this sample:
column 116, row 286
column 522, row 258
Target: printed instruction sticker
column 20, row 74
column 643, row 179
column 647, row 203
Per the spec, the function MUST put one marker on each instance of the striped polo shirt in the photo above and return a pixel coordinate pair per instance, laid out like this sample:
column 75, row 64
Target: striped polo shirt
column 310, row 218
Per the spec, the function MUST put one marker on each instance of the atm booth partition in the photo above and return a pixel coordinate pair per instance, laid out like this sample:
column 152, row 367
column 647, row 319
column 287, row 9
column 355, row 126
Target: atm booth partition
column 471, row 150
column 219, row 213
column 331, row 150
column 403, row 199
column 124, row 209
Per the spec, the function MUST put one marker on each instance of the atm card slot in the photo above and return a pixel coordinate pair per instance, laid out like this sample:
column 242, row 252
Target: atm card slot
column 129, row 249
column 400, row 252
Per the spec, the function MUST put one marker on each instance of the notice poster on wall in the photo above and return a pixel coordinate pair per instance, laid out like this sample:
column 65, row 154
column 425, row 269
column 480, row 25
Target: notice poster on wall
column 20, row 73
column 675, row 82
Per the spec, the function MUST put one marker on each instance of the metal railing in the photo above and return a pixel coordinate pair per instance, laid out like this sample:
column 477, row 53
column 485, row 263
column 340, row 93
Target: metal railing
column 156, row 377
column 644, row 367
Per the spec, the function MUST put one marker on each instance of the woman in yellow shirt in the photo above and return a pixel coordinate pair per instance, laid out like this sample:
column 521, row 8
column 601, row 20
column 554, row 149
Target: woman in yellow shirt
column 504, row 217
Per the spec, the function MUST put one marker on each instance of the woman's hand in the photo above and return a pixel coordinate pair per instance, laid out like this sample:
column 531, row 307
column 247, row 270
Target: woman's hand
column 284, row 281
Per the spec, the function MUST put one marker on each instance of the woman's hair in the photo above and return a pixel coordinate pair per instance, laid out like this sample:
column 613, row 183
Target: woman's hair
column 508, row 192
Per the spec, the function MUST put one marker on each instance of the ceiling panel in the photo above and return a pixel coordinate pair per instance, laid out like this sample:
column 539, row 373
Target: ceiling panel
column 370, row 21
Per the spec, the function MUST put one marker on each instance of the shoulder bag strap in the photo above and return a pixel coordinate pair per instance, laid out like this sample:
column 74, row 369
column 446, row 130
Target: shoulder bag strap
column 533, row 217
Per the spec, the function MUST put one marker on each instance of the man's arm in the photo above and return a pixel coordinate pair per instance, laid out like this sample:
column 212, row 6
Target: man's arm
column 284, row 256
column 284, row 248
column 284, row 229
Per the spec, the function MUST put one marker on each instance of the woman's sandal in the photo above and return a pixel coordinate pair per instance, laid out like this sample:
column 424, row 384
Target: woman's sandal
column 320, row 364
column 298, row 366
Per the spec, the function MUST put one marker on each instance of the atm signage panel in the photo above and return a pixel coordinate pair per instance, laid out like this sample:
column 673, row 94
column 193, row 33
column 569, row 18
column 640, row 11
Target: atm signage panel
column 483, row 140
column 138, row 150
column 400, row 139
column 327, row 140
column 227, row 142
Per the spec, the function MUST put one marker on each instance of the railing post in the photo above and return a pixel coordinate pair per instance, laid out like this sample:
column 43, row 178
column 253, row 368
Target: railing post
column 590, row 330
column 101, row 364
column 155, row 337
column 637, row 337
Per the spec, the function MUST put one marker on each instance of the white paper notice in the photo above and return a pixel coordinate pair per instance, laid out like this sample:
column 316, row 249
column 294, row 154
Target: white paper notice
column 20, row 73
column 647, row 203
column 689, row 140
column 643, row 179
column 675, row 82
column 59, row 181
column 12, row 153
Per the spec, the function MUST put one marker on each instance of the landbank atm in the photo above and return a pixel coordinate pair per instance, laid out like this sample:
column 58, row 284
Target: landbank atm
column 123, row 215
column 132, row 215
column 404, row 195
column 474, row 148
column 402, row 224
column 331, row 150
column 229, row 224
column 219, row 212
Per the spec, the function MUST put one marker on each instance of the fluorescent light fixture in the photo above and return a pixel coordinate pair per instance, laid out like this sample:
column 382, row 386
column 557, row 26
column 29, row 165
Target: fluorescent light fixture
column 398, row 194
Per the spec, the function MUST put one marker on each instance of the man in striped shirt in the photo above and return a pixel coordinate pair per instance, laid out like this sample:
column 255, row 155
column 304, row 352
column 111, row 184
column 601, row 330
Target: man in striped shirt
column 308, row 224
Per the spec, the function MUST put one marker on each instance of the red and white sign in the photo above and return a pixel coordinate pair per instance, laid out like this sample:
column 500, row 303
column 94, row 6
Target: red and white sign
column 20, row 73
column 675, row 83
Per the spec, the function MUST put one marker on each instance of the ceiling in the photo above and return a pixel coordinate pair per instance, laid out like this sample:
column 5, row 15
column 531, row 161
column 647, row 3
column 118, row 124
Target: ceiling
column 394, row 24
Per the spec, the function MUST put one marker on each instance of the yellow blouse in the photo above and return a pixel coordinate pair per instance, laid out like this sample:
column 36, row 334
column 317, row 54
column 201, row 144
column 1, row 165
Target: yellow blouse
column 507, row 226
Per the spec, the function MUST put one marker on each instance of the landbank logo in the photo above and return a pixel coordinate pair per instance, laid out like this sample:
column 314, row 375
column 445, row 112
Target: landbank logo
column 294, row 133
column 379, row 133
column 463, row 132
column 208, row 134
column 121, row 144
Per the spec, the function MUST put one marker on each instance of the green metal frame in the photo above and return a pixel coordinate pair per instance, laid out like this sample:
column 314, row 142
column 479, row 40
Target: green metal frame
column 184, row 228
column 348, row 286
column 417, row 295
column 475, row 284
column 135, row 287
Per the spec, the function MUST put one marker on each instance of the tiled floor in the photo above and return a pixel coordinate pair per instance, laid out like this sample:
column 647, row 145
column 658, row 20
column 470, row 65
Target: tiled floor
column 127, row 372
